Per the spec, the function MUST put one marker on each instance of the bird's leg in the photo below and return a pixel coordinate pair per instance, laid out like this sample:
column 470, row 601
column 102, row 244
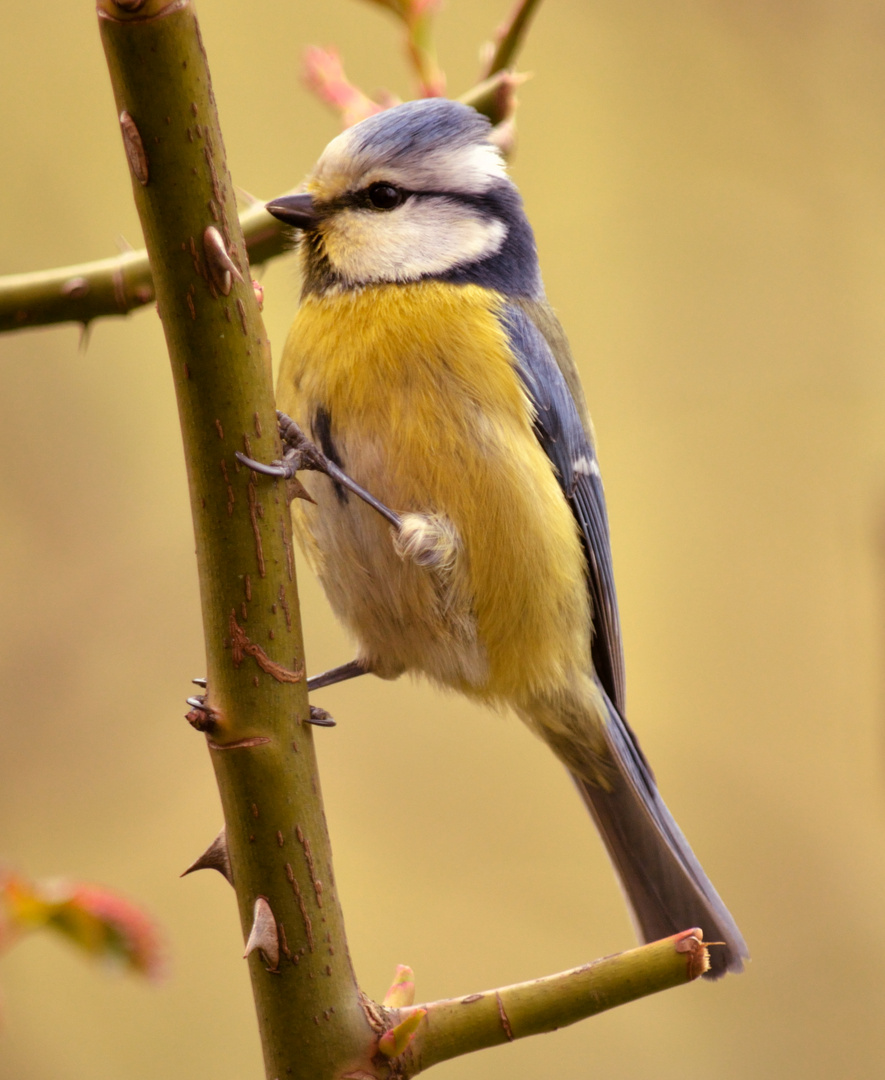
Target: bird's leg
column 428, row 540
column 301, row 453
column 337, row 674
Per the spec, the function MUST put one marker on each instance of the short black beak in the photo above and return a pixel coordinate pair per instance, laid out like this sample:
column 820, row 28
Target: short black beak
column 295, row 210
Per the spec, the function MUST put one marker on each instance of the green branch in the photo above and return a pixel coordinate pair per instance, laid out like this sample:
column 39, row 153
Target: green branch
column 310, row 1015
column 510, row 37
column 113, row 286
column 462, row 1025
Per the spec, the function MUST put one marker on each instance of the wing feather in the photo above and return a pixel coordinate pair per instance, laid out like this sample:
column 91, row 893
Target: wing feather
column 563, row 429
column 664, row 882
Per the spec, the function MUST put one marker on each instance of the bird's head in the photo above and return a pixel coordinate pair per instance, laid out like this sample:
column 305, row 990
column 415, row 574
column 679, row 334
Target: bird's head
column 418, row 191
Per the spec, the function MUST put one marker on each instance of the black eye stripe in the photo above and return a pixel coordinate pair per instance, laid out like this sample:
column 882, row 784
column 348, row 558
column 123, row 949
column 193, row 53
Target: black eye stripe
column 360, row 199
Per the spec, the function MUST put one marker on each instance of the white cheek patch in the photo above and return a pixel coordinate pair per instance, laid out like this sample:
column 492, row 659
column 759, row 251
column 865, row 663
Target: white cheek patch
column 423, row 237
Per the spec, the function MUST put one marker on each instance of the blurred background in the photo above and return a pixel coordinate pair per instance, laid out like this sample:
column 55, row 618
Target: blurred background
column 706, row 179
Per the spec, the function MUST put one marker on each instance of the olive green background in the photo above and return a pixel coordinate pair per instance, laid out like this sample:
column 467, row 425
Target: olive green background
column 707, row 184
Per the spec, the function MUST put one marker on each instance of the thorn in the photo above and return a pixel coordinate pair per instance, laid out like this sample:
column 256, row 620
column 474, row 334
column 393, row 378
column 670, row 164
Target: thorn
column 258, row 289
column 222, row 269
column 123, row 245
column 85, row 331
column 503, row 136
column 296, row 490
column 319, row 717
column 264, row 934
column 198, row 703
column 402, row 990
column 75, row 288
column 393, row 1042
column 245, row 197
column 200, row 682
column 215, row 857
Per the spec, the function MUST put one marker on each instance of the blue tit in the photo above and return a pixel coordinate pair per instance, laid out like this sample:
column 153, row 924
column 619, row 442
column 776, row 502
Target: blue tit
column 426, row 362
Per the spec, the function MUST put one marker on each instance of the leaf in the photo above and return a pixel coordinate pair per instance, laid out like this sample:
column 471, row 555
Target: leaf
column 98, row 920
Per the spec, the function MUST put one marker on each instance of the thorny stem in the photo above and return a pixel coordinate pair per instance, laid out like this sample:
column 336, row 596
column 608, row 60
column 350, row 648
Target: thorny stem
column 311, row 1019
column 495, row 97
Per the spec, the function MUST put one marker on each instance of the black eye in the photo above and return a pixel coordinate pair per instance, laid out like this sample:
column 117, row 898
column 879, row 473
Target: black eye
column 385, row 196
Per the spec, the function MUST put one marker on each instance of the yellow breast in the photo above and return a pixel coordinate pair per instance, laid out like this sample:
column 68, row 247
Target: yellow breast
column 429, row 414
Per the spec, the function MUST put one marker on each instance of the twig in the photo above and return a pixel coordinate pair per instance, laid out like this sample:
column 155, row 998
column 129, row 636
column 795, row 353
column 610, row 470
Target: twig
column 417, row 17
column 113, row 286
column 495, row 97
column 422, row 52
column 461, row 1025
column 510, row 36
column 323, row 75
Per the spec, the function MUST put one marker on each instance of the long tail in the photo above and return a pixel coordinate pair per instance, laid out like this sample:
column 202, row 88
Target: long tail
column 665, row 885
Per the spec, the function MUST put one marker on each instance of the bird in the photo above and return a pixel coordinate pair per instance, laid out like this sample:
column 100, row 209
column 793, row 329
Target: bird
column 426, row 364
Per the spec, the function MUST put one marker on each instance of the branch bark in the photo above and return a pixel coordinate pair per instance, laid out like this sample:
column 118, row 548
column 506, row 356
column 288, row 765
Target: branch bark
column 461, row 1025
column 309, row 1010
column 113, row 286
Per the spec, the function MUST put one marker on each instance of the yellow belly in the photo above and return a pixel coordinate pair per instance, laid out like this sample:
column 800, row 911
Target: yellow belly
column 428, row 413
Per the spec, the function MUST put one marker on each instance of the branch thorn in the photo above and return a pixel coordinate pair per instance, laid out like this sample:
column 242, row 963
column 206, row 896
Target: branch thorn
column 222, row 269
column 264, row 934
column 215, row 857
column 85, row 331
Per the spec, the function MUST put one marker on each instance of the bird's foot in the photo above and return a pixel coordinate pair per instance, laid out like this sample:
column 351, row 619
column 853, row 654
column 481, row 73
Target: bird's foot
column 302, row 453
column 203, row 718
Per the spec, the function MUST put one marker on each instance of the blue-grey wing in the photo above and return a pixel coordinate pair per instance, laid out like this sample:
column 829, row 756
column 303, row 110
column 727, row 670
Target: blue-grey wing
column 562, row 434
column 664, row 882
